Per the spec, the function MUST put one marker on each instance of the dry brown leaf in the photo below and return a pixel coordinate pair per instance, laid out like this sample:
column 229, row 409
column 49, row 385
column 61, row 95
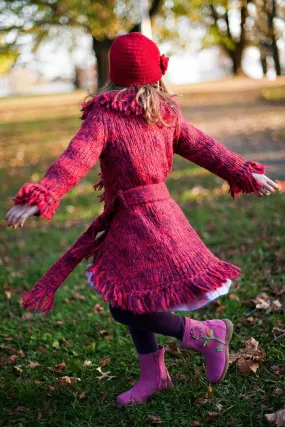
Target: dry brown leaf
column 83, row 394
column 33, row 365
column 66, row 380
column 247, row 357
column 154, row 419
column 98, row 309
column 12, row 358
column 60, row 366
column 105, row 361
column 78, row 296
column 27, row 316
column 7, row 294
column 18, row 368
column 39, row 416
column 277, row 419
column 87, row 363
column 104, row 374
column 213, row 414
column 234, row 297
column 20, row 409
column 254, row 366
column 219, row 407
column 173, row 349
column 278, row 391
column 59, row 322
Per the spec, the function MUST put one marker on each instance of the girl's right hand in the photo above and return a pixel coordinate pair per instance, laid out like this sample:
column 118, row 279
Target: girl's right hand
column 18, row 214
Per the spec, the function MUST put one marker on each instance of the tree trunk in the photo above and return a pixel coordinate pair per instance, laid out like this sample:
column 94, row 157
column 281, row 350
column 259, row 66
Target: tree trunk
column 263, row 61
column 102, row 50
column 271, row 14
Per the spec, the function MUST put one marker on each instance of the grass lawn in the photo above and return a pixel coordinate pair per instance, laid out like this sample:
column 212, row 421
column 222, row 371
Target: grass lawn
column 51, row 367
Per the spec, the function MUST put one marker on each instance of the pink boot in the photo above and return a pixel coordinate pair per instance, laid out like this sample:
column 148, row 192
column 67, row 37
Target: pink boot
column 211, row 338
column 154, row 377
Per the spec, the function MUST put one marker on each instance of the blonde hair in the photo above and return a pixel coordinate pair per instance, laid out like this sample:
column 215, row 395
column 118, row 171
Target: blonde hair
column 147, row 98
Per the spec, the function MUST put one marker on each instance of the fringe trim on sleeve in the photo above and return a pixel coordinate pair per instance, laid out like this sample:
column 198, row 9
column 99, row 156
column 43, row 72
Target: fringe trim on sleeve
column 246, row 183
column 34, row 193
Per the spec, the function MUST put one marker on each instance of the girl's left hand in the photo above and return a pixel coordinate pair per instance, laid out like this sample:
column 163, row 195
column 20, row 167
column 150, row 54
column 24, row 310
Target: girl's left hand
column 269, row 186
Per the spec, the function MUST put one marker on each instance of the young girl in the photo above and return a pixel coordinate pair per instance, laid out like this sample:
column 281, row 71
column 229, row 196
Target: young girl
column 148, row 261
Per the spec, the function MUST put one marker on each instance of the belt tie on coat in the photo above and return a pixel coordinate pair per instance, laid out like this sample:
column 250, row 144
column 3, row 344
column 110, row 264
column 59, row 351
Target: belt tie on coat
column 41, row 297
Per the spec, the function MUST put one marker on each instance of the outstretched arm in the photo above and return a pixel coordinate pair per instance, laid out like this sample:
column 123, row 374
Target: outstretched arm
column 79, row 157
column 205, row 151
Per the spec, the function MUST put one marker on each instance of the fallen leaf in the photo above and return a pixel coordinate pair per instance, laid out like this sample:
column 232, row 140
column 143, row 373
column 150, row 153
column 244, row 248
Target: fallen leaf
column 234, row 297
column 98, row 309
column 278, row 391
column 254, row 367
column 20, row 409
column 247, row 357
column 173, row 349
column 12, row 358
column 250, row 320
column 60, row 366
column 213, row 414
column 105, row 361
column 154, row 419
column 262, row 301
column 7, row 294
column 27, row 316
column 277, row 418
column 33, row 365
column 18, row 368
column 87, row 363
column 276, row 305
column 219, row 407
column 39, row 416
column 104, row 374
column 66, row 380
column 83, row 394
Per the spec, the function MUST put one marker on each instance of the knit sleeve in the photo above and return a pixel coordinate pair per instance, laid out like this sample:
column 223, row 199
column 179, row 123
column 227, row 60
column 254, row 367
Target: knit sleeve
column 205, row 151
column 78, row 158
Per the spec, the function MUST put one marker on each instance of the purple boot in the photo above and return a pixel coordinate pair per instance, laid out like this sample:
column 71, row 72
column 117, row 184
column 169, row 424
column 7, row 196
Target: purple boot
column 211, row 338
column 154, row 377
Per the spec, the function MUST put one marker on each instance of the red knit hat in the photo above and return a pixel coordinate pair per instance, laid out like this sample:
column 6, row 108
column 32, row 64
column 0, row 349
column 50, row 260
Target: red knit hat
column 135, row 60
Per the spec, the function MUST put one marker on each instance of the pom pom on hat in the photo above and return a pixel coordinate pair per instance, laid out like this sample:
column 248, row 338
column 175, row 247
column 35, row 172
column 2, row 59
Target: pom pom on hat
column 135, row 60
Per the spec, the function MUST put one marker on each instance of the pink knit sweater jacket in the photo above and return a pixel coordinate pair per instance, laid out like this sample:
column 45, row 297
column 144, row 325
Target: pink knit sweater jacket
column 151, row 258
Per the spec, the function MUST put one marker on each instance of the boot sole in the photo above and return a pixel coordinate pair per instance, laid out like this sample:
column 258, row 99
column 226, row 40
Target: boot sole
column 148, row 399
column 229, row 334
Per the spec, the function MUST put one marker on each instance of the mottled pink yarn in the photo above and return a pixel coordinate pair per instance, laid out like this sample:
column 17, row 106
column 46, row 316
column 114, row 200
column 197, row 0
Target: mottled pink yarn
column 149, row 257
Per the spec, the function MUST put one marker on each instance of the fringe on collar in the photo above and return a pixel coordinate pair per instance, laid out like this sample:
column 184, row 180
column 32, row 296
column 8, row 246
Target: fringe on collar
column 121, row 101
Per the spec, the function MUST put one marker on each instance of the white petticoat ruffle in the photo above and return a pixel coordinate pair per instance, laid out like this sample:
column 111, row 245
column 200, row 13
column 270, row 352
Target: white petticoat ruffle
column 195, row 305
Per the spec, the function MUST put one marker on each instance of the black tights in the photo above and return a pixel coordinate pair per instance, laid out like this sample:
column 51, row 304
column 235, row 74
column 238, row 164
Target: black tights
column 143, row 327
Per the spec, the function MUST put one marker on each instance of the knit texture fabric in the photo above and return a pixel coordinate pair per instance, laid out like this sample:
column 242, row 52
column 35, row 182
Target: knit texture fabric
column 135, row 60
column 151, row 258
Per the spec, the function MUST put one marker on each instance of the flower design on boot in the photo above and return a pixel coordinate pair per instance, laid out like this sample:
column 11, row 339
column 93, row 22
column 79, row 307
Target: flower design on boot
column 196, row 332
column 211, row 338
